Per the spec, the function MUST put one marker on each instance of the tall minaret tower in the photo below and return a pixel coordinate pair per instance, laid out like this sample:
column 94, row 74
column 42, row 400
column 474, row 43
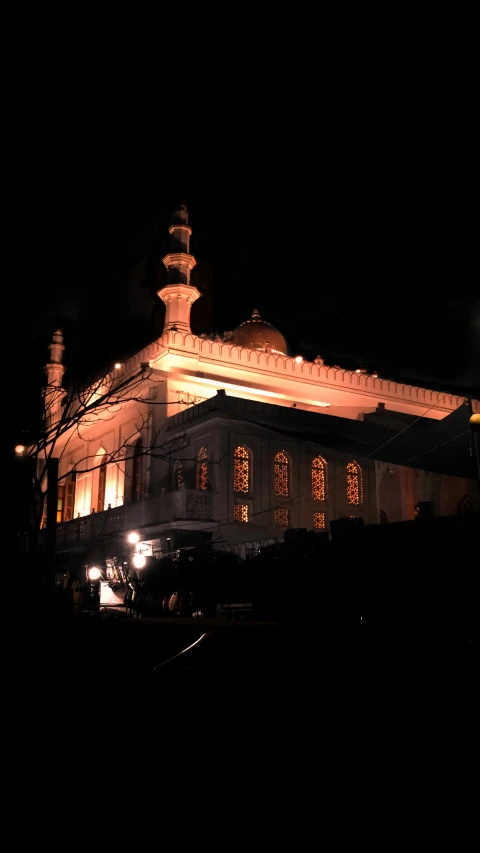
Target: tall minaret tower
column 54, row 392
column 178, row 294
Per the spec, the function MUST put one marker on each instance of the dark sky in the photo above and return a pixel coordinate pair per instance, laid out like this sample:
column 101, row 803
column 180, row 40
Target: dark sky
column 361, row 269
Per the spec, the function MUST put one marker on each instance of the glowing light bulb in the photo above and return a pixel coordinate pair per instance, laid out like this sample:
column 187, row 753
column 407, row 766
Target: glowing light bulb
column 299, row 359
column 133, row 538
column 19, row 449
column 94, row 573
column 139, row 561
column 117, row 365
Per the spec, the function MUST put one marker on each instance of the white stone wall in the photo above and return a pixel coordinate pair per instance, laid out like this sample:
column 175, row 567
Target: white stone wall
column 400, row 488
column 223, row 435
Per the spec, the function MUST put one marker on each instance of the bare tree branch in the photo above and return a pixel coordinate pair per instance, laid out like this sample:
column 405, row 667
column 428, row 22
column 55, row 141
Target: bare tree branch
column 70, row 413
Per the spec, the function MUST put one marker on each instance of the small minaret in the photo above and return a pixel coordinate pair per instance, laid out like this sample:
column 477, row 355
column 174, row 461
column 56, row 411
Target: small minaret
column 178, row 294
column 54, row 393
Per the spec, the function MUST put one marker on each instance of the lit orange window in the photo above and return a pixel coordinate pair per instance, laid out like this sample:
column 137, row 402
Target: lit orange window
column 319, row 520
column 240, row 512
column 354, row 484
column 241, row 470
column 60, row 498
column 281, row 475
column 281, row 517
column 318, row 478
column 202, row 469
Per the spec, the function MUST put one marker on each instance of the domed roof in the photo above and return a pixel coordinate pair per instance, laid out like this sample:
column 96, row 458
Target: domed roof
column 258, row 334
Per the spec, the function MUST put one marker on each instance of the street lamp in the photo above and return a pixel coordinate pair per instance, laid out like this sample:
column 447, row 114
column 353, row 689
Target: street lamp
column 139, row 561
column 133, row 538
column 94, row 574
column 474, row 422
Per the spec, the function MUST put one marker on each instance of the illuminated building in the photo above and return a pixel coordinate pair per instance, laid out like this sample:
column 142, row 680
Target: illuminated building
column 252, row 440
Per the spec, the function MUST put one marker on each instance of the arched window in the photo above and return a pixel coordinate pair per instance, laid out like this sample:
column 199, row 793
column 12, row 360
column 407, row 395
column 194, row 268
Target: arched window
column 354, row 484
column 281, row 475
column 318, row 478
column 102, row 480
column 242, row 470
column 465, row 504
column 202, row 469
column 137, row 471
column 178, row 475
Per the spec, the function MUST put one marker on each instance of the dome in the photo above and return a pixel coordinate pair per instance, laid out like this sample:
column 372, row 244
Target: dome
column 258, row 334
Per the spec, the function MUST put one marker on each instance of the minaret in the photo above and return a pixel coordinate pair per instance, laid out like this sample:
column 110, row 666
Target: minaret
column 54, row 370
column 178, row 294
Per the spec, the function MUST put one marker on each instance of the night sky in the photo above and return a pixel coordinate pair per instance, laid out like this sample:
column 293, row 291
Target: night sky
column 362, row 270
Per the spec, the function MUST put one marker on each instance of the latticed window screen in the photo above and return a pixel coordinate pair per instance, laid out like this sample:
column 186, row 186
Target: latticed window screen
column 240, row 512
column 319, row 520
column 178, row 475
column 281, row 516
column 281, row 475
column 318, row 478
column 241, row 470
column 202, row 469
column 354, row 483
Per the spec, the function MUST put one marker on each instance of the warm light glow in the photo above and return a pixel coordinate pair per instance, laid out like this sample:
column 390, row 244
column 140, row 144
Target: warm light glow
column 241, row 470
column 19, row 449
column 354, row 483
column 117, row 365
column 259, row 392
column 202, row 469
column 139, row 561
column 358, row 370
column 319, row 520
column 240, row 512
column 281, row 517
column 281, row 479
column 299, row 359
column 133, row 538
column 318, row 478
column 94, row 574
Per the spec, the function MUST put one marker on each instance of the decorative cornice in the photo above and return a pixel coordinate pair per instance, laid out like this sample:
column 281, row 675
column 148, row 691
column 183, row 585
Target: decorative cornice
column 176, row 227
column 178, row 258
column 319, row 375
column 187, row 290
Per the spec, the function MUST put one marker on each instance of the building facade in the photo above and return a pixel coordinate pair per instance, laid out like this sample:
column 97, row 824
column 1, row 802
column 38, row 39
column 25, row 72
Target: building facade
column 233, row 437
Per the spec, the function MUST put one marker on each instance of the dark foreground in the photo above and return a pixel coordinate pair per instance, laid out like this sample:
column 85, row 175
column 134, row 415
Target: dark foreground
column 102, row 664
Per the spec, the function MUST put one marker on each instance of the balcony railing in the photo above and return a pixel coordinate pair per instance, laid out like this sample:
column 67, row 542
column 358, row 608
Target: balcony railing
column 184, row 504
